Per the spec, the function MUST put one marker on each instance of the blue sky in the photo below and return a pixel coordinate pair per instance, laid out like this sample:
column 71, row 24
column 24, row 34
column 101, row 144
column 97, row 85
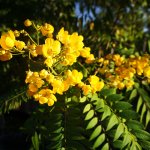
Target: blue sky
column 89, row 16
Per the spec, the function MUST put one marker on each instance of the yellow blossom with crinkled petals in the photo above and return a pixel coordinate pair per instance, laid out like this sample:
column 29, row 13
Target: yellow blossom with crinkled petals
column 51, row 48
column 43, row 74
column 69, row 59
column 96, row 85
column 73, row 77
column 76, row 41
column 45, row 96
column 58, row 86
column 47, row 30
column 86, row 89
column 51, row 100
column 85, row 52
column 49, row 62
column 50, row 78
column 38, row 49
column 118, row 59
column 146, row 72
column 120, row 85
column 5, row 56
column 43, row 100
column 19, row 45
column 7, row 40
column 33, row 88
column 129, row 84
column 63, row 36
column 90, row 59
column 93, row 79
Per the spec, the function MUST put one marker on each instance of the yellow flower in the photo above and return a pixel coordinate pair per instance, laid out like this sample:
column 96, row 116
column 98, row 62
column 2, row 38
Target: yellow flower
column 47, row 30
column 43, row 74
column 93, row 80
column 45, row 96
column 73, row 77
column 51, row 48
column 51, row 100
column 38, row 49
column 33, row 88
column 65, row 85
column 96, row 85
column 6, row 56
column 63, row 36
column 58, row 86
column 39, row 82
column 118, row 59
column 16, row 33
column 7, row 40
column 50, row 78
column 27, row 23
column 49, row 62
column 85, row 52
column 76, row 41
column 147, row 72
column 129, row 84
column 77, row 76
column 86, row 89
column 69, row 59
column 90, row 59
column 43, row 100
column 19, row 45
column 120, row 85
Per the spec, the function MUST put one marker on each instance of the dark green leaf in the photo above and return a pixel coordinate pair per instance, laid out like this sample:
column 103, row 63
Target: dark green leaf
column 145, row 144
column 56, row 137
column 54, row 145
column 117, row 144
column 145, row 96
column 35, row 141
column 134, row 124
column 141, row 134
column 121, row 105
column 114, row 97
column 107, row 92
column 77, row 137
column 129, row 114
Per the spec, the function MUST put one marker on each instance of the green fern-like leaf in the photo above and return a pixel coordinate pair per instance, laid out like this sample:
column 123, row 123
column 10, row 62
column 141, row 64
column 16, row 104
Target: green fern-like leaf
column 13, row 99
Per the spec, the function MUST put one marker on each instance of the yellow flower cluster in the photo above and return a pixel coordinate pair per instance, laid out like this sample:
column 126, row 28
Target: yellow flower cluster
column 8, row 45
column 120, row 72
column 94, row 86
column 44, row 85
column 60, row 51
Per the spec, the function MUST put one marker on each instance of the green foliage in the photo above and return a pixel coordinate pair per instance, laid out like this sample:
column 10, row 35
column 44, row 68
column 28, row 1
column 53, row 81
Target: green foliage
column 14, row 100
